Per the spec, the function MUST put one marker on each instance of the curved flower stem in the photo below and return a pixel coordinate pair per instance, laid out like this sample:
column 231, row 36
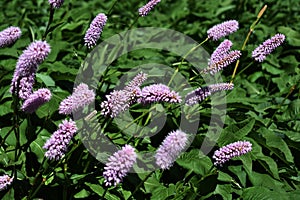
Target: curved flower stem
column 184, row 57
column 245, row 68
column 252, row 27
column 113, row 5
column 283, row 101
column 140, row 184
column 49, row 23
column 134, row 22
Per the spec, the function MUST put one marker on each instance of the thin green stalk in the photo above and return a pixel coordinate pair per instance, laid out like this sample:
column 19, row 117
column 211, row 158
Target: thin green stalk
column 113, row 5
column 252, row 27
column 52, row 10
column 245, row 68
column 140, row 184
column 281, row 104
column 184, row 57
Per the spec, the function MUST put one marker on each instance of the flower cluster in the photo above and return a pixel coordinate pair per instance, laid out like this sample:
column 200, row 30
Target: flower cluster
column 222, row 57
column 36, row 99
column 143, row 11
column 171, row 148
column 9, row 36
column 116, row 102
column 94, row 31
column 119, row 165
column 221, row 30
column 80, row 97
column 56, row 145
column 202, row 93
column 56, row 3
column 158, row 93
column 229, row 151
column 26, row 68
column 120, row 100
column 5, row 181
column 259, row 54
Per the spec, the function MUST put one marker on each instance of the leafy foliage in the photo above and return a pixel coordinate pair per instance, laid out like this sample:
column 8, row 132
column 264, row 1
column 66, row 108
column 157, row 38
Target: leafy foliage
column 263, row 108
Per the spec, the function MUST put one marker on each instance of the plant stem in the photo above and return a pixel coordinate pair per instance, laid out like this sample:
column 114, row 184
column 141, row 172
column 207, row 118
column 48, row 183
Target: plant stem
column 279, row 107
column 140, row 184
column 113, row 5
column 183, row 58
column 252, row 27
column 49, row 22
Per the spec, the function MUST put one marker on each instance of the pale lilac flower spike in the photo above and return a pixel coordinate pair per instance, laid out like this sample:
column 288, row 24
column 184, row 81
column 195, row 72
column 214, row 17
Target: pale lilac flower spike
column 143, row 11
column 28, row 62
column 80, row 97
column 171, row 148
column 221, row 30
column 117, row 102
column 56, row 3
column 120, row 100
column 36, row 99
column 259, row 54
column 93, row 33
column 119, row 165
column 9, row 36
column 229, row 151
column 221, row 57
column 202, row 93
column 157, row 93
column 56, row 145
column 5, row 181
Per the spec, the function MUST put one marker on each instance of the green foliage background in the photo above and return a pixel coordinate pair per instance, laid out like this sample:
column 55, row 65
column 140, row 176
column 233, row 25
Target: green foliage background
column 264, row 107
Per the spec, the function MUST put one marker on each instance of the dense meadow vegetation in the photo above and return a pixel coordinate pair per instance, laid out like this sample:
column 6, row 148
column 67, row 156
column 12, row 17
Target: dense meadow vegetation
column 164, row 105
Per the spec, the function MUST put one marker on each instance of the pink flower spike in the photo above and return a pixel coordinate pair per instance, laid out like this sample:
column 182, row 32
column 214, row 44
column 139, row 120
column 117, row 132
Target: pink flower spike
column 143, row 11
column 36, row 99
column 5, row 181
column 93, row 33
column 9, row 36
column 170, row 149
column 229, row 151
column 56, row 145
column 118, row 165
column 221, row 30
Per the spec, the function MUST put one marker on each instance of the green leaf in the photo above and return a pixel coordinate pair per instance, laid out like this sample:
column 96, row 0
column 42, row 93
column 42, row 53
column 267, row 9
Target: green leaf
column 195, row 161
column 275, row 140
column 82, row 194
column 98, row 189
column 224, row 191
column 47, row 80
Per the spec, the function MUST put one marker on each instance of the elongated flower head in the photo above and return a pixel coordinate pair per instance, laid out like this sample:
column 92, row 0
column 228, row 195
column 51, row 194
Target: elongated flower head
column 5, row 181
column 9, row 36
column 202, row 93
column 93, row 33
column 22, row 87
column 229, row 151
column 36, row 99
column 171, row 148
column 26, row 67
column 118, row 165
column 57, row 144
column 223, row 29
column 82, row 96
column 259, row 54
column 197, row 95
column 117, row 102
column 221, row 51
column 56, row 3
column 143, row 11
column 159, row 93
column 137, row 81
column 221, row 57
